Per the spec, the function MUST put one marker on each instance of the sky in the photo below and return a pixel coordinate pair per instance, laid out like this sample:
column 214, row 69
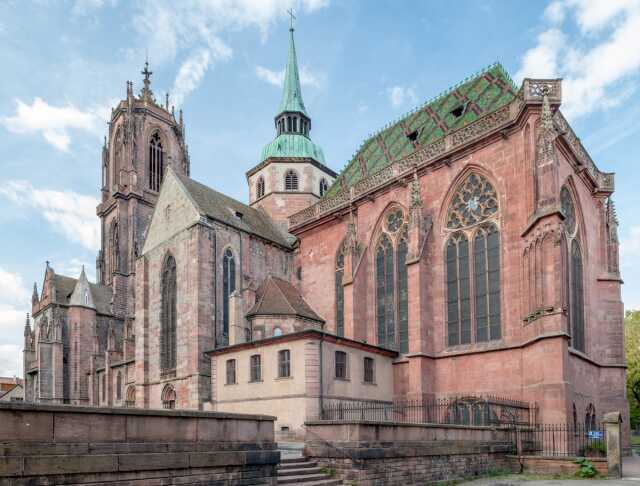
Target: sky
column 65, row 63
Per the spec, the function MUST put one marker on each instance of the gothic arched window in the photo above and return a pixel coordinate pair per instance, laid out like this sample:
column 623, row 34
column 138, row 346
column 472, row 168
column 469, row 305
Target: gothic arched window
column 392, row 298
column 576, row 312
column 291, row 180
column 113, row 263
column 228, row 287
column 130, row 399
column 156, row 162
column 473, row 255
column 324, row 185
column 260, row 187
column 168, row 397
column 340, row 292
column 168, row 330
column 568, row 210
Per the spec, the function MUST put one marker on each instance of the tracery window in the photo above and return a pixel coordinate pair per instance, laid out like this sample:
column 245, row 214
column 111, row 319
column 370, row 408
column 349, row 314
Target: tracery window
column 575, row 272
column 291, row 180
column 260, row 187
column 156, row 162
column 228, row 287
column 168, row 331
column 340, row 292
column 168, row 397
column 474, row 201
column 323, row 187
column 472, row 264
column 392, row 283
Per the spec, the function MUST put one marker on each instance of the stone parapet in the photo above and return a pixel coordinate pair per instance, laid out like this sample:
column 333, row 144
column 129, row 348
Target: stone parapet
column 83, row 445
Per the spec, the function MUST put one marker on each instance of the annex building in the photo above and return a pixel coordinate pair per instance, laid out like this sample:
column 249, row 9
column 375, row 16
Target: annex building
column 469, row 247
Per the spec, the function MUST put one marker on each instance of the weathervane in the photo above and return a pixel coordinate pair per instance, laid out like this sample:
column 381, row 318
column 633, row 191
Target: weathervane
column 292, row 18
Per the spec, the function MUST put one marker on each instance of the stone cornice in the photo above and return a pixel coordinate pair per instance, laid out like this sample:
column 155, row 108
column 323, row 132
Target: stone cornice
column 290, row 160
column 444, row 149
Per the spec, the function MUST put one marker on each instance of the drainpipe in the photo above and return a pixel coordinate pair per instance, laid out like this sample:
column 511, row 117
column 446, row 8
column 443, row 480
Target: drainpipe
column 320, row 398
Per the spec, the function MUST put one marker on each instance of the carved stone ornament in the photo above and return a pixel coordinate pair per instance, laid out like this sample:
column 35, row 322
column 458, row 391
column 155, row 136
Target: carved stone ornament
column 474, row 201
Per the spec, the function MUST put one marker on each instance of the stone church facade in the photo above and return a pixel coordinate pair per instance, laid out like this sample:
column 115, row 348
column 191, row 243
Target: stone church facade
column 468, row 248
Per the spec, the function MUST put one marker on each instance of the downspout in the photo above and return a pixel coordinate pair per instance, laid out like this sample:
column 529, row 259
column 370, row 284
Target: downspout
column 320, row 397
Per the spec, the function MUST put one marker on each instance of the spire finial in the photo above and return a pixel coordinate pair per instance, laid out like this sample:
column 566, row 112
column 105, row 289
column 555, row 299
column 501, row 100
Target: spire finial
column 291, row 19
column 146, row 92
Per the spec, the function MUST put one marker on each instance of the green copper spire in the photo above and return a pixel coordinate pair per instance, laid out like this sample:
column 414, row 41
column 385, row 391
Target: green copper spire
column 292, row 94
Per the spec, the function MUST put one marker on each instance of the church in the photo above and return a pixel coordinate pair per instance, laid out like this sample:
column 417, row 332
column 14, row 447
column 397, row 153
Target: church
column 468, row 248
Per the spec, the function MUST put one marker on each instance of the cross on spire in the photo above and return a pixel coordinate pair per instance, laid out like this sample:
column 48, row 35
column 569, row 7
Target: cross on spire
column 146, row 92
column 291, row 19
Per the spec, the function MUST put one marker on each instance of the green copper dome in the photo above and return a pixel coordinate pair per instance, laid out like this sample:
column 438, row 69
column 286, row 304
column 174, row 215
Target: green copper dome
column 292, row 145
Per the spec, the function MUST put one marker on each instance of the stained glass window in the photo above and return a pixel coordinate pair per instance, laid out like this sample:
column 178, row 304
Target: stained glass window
column 568, row 210
column 228, row 287
column 474, row 201
column 395, row 219
column 385, row 293
column 340, row 293
column 168, row 329
column 487, row 283
column 576, row 298
column 458, row 292
column 403, row 296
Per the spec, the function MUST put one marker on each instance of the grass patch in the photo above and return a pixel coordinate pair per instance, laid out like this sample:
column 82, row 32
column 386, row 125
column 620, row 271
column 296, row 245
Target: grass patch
column 635, row 440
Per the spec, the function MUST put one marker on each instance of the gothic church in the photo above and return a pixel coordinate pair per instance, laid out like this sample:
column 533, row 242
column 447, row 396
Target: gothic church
column 468, row 248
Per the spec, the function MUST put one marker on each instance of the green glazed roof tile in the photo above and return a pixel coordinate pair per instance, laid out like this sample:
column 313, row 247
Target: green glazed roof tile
column 484, row 93
column 292, row 145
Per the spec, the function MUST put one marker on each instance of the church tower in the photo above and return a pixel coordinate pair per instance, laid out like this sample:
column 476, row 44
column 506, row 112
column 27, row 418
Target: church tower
column 292, row 174
column 144, row 139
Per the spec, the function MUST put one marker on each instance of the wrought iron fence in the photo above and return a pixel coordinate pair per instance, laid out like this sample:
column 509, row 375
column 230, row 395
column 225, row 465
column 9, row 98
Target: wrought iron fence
column 564, row 440
column 468, row 410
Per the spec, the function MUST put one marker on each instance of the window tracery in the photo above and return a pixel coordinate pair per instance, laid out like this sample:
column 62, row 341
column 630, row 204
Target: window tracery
column 168, row 397
column 156, row 162
column 228, row 287
column 473, row 202
column 472, row 264
column 392, row 282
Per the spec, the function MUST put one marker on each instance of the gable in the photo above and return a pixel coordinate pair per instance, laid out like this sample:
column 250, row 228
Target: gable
column 174, row 212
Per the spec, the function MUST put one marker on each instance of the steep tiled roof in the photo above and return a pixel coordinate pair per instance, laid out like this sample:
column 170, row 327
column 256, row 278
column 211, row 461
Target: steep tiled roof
column 463, row 104
column 64, row 289
column 233, row 213
column 278, row 297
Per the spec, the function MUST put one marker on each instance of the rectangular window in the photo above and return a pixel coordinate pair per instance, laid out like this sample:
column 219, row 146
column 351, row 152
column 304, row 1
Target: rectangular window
column 284, row 363
column 369, row 370
column 231, row 372
column 341, row 365
column 256, row 368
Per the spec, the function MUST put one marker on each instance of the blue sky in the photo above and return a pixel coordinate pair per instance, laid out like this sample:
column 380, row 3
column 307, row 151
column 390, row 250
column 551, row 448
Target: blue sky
column 364, row 63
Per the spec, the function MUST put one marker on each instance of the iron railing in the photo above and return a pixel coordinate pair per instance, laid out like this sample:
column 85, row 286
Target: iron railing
column 468, row 410
column 564, row 440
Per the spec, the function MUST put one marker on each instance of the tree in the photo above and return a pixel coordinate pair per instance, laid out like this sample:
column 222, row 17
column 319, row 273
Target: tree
column 632, row 351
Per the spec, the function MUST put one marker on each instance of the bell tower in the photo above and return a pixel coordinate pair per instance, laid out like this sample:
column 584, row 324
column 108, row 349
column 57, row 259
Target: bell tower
column 291, row 174
column 144, row 139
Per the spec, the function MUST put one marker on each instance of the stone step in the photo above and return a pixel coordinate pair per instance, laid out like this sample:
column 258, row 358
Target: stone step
column 291, row 460
column 306, row 479
column 296, row 465
column 299, row 472
column 322, row 482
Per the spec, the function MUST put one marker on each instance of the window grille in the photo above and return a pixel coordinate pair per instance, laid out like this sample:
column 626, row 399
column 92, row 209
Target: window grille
column 341, row 365
column 284, row 363
column 231, row 372
column 156, row 162
column 291, row 180
column 256, row 368
column 168, row 316
column 369, row 370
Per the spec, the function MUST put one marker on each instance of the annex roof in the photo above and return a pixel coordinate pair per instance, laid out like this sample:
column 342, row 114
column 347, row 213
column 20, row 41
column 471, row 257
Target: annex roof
column 276, row 296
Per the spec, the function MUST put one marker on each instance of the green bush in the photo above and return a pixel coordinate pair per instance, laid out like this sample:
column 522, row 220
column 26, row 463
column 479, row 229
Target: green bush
column 586, row 469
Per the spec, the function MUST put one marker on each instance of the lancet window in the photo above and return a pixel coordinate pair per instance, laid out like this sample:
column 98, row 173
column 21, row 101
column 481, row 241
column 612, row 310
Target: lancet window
column 575, row 277
column 228, row 287
column 392, row 301
column 156, row 162
column 323, row 186
column 168, row 330
column 472, row 264
column 260, row 187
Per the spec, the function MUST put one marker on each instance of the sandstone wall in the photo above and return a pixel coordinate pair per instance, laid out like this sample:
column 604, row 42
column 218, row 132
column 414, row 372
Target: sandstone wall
column 77, row 445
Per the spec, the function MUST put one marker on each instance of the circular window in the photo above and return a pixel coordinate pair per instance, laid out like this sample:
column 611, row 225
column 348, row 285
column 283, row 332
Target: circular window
column 395, row 218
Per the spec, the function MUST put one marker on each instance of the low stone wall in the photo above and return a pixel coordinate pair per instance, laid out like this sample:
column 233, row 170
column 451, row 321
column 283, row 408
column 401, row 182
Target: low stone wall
column 553, row 465
column 50, row 445
column 371, row 453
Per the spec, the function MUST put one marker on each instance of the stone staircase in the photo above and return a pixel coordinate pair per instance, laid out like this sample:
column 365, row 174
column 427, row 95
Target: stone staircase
column 299, row 470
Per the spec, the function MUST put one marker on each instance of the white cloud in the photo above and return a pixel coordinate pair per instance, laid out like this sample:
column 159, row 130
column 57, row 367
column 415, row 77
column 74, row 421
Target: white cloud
column 596, row 61
column 400, row 95
column 69, row 213
column 190, row 75
column 10, row 360
column 11, row 287
column 73, row 267
column 276, row 78
column 53, row 123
